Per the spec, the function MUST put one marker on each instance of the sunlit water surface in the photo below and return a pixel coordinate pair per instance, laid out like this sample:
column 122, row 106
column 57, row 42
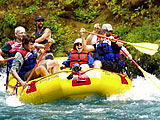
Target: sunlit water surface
column 142, row 102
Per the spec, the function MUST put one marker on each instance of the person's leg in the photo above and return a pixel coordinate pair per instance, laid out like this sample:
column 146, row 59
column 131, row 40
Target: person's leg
column 41, row 70
column 52, row 66
column 97, row 64
column 27, row 74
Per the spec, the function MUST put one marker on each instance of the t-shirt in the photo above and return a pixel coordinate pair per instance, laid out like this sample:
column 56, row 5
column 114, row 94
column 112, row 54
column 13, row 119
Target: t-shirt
column 94, row 39
column 6, row 48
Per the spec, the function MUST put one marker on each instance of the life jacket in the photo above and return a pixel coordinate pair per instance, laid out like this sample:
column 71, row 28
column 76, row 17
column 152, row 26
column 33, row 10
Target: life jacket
column 78, row 57
column 39, row 34
column 15, row 46
column 104, row 51
column 29, row 61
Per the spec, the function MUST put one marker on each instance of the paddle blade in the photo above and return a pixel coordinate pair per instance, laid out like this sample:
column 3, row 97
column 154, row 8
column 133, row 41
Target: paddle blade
column 151, row 78
column 148, row 48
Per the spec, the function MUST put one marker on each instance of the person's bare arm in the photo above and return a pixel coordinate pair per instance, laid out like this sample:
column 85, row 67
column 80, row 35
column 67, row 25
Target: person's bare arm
column 84, row 45
column 16, row 66
column 90, row 36
column 16, row 76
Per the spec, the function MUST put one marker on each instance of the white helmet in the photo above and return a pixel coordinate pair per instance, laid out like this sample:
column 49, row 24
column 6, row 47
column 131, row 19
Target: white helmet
column 107, row 27
column 78, row 40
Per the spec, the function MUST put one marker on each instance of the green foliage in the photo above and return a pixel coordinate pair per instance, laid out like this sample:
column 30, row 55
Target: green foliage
column 80, row 3
column 122, row 31
column 86, row 14
column 118, row 10
column 10, row 19
column 51, row 4
column 148, row 32
column 38, row 1
column 1, row 25
column 30, row 9
column 5, row 1
column 59, row 35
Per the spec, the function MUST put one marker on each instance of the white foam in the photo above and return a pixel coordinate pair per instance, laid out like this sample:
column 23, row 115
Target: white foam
column 9, row 100
column 13, row 101
column 141, row 90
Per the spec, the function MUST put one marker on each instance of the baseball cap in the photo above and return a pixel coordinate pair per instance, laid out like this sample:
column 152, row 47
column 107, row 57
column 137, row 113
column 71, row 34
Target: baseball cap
column 39, row 18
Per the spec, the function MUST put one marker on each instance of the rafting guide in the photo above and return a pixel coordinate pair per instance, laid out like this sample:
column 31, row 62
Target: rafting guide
column 42, row 36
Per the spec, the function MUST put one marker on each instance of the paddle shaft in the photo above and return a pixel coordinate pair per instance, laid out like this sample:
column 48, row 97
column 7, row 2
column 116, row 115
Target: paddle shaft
column 105, row 37
column 130, row 59
column 8, row 59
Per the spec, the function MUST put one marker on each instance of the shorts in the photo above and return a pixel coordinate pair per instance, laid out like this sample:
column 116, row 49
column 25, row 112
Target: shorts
column 48, row 55
column 27, row 74
column 111, row 66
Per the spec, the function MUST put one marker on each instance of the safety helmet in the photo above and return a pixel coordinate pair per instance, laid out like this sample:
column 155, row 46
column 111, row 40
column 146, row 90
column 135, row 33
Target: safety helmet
column 107, row 27
column 78, row 40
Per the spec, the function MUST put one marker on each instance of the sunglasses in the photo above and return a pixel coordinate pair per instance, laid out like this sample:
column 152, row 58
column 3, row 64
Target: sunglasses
column 40, row 20
column 77, row 44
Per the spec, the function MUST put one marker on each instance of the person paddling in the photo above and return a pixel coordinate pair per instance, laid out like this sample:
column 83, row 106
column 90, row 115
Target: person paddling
column 25, row 60
column 109, row 33
column 106, row 53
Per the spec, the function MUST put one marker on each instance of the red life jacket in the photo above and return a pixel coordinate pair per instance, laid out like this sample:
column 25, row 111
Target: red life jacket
column 78, row 57
column 14, row 47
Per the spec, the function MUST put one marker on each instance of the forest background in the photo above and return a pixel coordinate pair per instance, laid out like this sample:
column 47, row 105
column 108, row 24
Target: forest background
column 133, row 21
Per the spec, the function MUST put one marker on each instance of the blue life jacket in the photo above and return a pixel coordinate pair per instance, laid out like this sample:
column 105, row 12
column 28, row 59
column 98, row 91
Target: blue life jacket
column 104, row 51
column 29, row 61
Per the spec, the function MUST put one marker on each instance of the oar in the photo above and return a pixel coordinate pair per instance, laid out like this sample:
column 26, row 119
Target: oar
column 7, row 59
column 46, row 48
column 7, row 71
column 147, row 75
column 148, row 48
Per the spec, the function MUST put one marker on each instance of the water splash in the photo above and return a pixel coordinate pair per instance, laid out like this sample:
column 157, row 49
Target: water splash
column 13, row 101
column 141, row 90
column 9, row 100
column 2, row 82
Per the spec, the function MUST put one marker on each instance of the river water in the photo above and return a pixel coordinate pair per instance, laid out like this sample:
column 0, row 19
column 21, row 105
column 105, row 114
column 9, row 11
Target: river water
column 142, row 102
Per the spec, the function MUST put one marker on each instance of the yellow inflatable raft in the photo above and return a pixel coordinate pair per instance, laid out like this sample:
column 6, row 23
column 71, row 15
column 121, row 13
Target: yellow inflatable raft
column 57, row 86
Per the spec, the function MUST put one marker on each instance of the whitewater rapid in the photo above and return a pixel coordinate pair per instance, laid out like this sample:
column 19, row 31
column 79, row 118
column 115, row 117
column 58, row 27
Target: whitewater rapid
column 141, row 90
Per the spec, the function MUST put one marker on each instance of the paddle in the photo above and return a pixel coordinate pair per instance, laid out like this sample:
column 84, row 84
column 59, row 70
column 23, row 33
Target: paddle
column 147, row 75
column 148, row 48
column 7, row 59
